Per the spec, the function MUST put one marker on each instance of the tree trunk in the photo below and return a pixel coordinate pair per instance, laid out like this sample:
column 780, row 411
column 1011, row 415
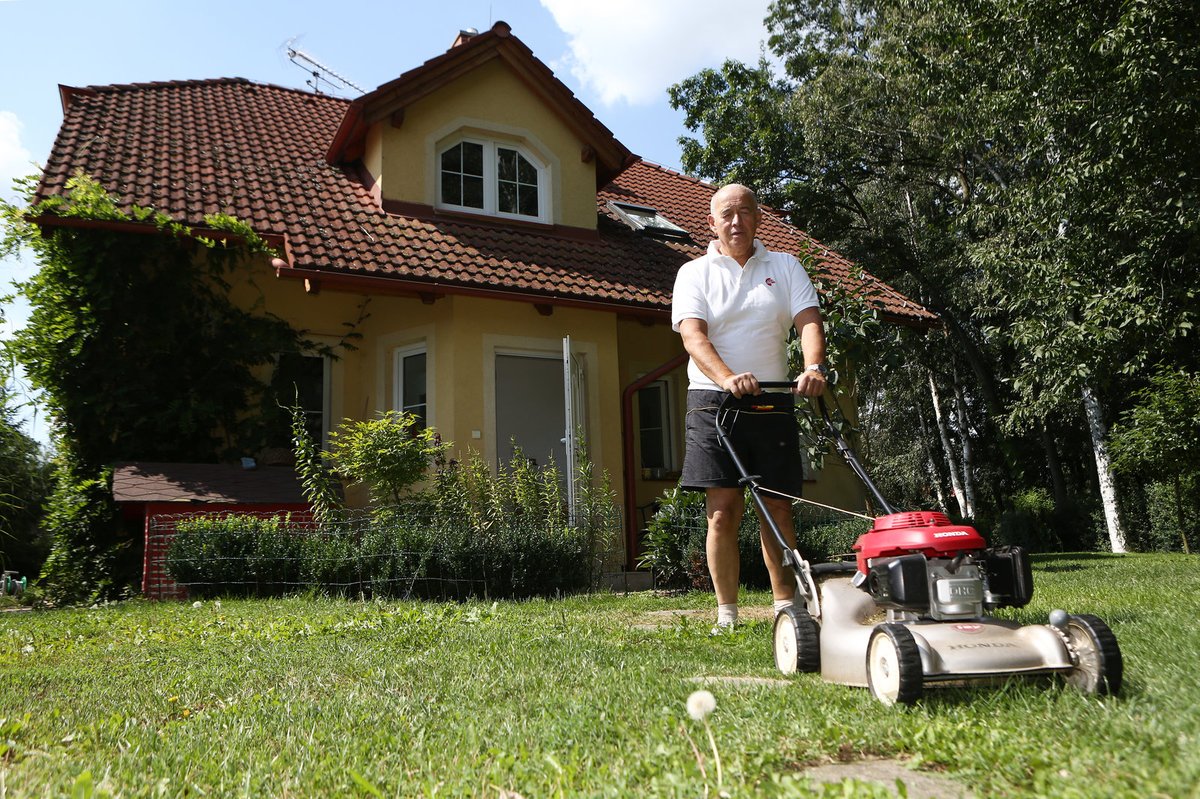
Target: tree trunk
column 1108, row 486
column 1056, row 474
column 930, row 466
column 951, row 460
column 1179, row 515
column 964, row 436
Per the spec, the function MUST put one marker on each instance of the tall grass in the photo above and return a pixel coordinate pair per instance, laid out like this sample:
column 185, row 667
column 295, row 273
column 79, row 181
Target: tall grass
column 584, row 696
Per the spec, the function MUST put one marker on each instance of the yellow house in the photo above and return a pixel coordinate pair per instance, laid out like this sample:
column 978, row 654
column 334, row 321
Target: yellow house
column 506, row 261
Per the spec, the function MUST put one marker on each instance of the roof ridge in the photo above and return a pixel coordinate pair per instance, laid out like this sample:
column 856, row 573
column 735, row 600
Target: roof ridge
column 198, row 82
column 676, row 172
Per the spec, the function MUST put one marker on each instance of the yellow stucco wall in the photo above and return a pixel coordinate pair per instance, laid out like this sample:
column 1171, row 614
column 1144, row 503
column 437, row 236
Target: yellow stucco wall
column 490, row 102
column 462, row 336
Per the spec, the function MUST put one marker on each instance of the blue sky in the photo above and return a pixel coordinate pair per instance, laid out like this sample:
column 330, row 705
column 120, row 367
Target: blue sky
column 618, row 56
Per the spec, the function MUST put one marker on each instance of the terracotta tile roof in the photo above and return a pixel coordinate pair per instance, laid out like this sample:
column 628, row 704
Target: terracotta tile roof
column 206, row 483
column 257, row 152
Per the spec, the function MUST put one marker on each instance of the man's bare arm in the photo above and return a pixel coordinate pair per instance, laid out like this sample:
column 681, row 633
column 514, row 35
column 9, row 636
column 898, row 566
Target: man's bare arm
column 695, row 340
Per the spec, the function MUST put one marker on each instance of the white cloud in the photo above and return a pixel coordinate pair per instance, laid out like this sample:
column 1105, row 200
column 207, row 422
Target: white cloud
column 632, row 50
column 15, row 160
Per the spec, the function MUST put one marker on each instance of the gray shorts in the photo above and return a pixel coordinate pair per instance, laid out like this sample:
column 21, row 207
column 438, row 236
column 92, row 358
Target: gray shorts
column 767, row 442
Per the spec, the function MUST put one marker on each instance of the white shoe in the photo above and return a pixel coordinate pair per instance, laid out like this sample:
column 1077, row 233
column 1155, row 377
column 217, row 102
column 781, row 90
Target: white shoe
column 723, row 629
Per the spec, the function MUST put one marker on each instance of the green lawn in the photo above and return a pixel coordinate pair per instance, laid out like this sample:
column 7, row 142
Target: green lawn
column 577, row 697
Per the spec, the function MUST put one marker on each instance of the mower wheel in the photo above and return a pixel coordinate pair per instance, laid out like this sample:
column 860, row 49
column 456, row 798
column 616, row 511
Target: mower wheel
column 894, row 672
column 797, row 641
column 1099, row 668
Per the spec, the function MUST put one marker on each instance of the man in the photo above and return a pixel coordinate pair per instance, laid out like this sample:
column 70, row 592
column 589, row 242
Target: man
column 734, row 308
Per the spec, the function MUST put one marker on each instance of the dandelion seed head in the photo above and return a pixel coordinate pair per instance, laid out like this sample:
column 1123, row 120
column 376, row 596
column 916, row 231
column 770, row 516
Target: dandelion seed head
column 700, row 704
column 197, row 603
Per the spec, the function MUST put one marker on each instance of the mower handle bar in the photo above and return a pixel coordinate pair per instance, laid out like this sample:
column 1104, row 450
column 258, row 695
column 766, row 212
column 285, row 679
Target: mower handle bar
column 839, row 441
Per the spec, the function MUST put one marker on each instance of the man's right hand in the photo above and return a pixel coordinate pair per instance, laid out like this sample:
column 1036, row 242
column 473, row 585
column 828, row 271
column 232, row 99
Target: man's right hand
column 741, row 385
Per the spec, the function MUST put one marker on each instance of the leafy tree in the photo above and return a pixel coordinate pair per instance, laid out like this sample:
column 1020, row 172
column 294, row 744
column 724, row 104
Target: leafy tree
column 24, row 484
column 389, row 453
column 131, row 339
column 1160, row 436
column 1024, row 168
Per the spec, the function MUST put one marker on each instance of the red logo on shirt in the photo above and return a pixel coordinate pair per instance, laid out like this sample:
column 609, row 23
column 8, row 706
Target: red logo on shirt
column 770, row 281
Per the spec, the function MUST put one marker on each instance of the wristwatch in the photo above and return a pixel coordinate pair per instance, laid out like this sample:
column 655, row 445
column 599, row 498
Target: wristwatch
column 819, row 368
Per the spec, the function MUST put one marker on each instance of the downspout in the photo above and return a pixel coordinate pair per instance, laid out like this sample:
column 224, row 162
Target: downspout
column 627, row 451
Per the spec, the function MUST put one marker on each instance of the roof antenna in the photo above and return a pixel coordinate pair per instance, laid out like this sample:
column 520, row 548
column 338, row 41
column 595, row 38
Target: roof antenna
column 319, row 71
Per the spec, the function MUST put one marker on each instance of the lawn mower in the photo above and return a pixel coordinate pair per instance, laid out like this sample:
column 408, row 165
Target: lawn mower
column 912, row 609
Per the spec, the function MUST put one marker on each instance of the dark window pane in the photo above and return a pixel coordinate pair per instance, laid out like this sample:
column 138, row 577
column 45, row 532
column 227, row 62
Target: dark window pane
column 413, row 386
column 651, row 424
column 452, row 159
column 507, row 199
column 302, row 377
column 451, row 189
column 652, row 449
column 526, row 172
column 528, row 201
column 472, row 158
column 506, row 164
column 650, row 406
column 472, row 192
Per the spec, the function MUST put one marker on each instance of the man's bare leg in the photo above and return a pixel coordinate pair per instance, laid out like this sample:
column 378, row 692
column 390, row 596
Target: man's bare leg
column 783, row 579
column 724, row 508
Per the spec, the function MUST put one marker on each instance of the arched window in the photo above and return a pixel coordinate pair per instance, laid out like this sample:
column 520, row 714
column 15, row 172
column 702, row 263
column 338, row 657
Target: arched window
column 492, row 177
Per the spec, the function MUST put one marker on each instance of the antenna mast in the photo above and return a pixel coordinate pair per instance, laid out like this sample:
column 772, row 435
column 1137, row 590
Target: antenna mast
column 319, row 71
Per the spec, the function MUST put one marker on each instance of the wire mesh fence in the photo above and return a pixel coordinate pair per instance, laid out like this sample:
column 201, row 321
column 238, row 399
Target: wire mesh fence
column 381, row 552
column 674, row 545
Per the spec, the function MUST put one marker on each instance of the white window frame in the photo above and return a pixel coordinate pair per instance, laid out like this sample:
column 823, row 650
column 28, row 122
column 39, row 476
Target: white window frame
column 491, row 183
column 634, row 216
column 667, row 408
column 398, row 356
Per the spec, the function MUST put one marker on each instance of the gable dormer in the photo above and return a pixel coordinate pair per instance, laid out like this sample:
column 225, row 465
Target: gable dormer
column 484, row 129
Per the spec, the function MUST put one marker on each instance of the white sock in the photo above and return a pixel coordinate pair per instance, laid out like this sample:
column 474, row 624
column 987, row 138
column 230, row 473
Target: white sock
column 727, row 615
column 783, row 604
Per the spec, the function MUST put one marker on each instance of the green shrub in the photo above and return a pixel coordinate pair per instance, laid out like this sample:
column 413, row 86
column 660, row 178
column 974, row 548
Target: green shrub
column 389, row 453
column 237, row 555
column 1168, row 516
column 674, row 545
column 506, row 535
column 94, row 555
column 510, row 535
column 825, row 538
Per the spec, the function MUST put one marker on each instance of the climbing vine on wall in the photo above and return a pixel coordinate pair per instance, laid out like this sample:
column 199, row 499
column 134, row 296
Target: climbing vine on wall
column 135, row 346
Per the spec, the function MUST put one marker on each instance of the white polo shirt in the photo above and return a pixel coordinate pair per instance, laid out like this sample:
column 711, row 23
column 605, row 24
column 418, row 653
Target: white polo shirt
column 749, row 310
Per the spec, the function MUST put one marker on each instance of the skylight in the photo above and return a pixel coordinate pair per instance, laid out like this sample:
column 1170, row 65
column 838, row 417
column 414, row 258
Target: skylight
column 646, row 219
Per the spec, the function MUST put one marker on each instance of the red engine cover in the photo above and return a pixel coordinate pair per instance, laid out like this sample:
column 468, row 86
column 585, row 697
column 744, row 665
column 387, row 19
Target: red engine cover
column 927, row 532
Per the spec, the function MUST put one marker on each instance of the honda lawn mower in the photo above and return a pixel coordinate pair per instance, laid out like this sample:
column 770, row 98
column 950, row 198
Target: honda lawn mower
column 913, row 608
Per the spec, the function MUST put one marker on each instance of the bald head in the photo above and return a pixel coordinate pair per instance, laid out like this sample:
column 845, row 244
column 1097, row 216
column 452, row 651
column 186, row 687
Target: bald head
column 730, row 192
column 734, row 219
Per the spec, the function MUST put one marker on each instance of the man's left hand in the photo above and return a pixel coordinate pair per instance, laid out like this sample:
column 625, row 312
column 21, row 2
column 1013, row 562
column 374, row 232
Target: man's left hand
column 810, row 384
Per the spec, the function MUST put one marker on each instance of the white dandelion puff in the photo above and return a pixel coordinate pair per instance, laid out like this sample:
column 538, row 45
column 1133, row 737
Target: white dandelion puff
column 700, row 704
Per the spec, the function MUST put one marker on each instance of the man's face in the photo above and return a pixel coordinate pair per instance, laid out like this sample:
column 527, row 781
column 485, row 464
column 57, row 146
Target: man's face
column 734, row 219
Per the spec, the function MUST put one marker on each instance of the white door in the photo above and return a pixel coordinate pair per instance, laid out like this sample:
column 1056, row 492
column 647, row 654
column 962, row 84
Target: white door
column 574, row 416
column 530, row 406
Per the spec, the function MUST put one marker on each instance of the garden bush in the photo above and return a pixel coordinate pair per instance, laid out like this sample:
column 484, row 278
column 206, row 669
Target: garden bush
column 673, row 547
column 237, row 554
column 471, row 534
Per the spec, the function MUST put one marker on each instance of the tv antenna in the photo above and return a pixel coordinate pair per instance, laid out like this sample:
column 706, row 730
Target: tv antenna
column 320, row 73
